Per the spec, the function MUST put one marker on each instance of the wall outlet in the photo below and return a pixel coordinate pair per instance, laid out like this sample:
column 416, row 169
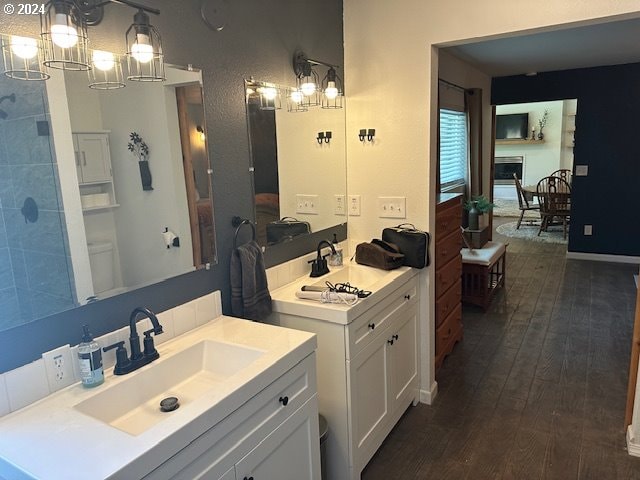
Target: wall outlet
column 588, row 230
column 354, row 205
column 392, row 207
column 582, row 170
column 339, row 207
column 307, row 204
column 58, row 364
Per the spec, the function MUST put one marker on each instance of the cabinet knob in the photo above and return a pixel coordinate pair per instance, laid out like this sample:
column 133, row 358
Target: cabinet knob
column 372, row 326
column 390, row 342
column 284, row 401
column 407, row 297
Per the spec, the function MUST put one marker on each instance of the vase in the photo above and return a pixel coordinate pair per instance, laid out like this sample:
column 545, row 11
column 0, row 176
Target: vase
column 540, row 135
column 473, row 216
column 145, row 175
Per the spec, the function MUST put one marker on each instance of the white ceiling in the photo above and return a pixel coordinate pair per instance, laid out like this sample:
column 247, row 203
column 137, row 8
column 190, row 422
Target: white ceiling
column 589, row 46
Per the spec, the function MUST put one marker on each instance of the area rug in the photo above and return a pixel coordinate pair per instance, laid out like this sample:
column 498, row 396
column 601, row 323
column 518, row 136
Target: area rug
column 509, row 208
column 554, row 235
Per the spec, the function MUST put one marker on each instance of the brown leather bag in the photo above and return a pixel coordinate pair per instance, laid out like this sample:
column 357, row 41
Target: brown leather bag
column 379, row 254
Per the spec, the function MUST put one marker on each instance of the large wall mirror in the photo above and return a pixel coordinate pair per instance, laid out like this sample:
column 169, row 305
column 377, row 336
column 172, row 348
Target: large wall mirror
column 299, row 166
column 83, row 217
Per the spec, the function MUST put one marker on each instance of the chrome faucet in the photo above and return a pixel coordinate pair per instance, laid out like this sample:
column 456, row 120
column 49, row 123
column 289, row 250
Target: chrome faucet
column 319, row 265
column 126, row 364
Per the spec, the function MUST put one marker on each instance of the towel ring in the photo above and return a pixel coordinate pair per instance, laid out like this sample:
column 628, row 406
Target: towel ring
column 238, row 223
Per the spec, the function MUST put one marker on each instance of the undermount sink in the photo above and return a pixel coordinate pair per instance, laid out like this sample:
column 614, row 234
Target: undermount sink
column 133, row 405
column 356, row 275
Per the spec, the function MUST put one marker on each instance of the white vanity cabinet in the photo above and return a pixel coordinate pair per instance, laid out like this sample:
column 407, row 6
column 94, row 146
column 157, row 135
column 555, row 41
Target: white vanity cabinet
column 93, row 166
column 274, row 436
column 367, row 373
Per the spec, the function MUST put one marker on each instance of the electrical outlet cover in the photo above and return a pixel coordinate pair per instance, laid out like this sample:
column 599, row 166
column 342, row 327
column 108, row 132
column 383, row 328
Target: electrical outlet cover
column 58, row 365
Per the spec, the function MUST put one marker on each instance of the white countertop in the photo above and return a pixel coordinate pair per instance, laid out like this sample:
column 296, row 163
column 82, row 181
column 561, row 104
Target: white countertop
column 53, row 440
column 285, row 300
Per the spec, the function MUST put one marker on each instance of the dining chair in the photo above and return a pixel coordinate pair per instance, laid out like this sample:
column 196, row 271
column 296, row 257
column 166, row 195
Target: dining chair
column 523, row 203
column 564, row 174
column 554, row 195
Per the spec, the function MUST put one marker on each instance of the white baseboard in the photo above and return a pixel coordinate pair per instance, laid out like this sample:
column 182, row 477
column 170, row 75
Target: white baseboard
column 633, row 448
column 603, row 257
column 427, row 396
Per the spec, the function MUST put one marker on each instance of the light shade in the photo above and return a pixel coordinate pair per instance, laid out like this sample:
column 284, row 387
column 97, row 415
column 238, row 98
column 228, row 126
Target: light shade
column 307, row 80
column 270, row 98
column 23, row 58
column 106, row 71
column 144, row 50
column 295, row 102
column 64, row 36
column 332, row 91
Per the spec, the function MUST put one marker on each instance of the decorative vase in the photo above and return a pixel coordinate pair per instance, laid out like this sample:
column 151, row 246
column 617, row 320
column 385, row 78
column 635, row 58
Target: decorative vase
column 145, row 174
column 473, row 216
column 540, row 135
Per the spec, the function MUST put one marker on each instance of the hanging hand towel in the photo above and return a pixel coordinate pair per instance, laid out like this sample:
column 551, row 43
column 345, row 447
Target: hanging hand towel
column 249, row 291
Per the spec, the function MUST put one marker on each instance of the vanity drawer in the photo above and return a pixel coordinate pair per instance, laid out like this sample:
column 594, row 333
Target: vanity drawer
column 448, row 334
column 223, row 445
column 448, row 302
column 448, row 247
column 448, row 220
column 371, row 323
column 447, row 275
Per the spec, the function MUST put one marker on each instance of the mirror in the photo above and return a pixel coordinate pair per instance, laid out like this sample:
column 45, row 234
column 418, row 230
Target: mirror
column 299, row 162
column 87, row 216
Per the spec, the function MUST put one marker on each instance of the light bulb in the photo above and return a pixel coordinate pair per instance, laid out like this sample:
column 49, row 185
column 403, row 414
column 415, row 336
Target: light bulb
column 331, row 91
column 297, row 96
column 269, row 93
column 24, row 47
column 141, row 50
column 103, row 60
column 62, row 33
column 308, row 88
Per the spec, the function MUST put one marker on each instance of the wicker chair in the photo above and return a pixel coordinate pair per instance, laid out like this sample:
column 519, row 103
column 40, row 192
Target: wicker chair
column 564, row 174
column 523, row 203
column 554, row 195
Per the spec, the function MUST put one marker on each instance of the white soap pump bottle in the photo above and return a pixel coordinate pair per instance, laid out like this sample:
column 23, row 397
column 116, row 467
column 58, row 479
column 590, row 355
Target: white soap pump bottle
column 90, row 358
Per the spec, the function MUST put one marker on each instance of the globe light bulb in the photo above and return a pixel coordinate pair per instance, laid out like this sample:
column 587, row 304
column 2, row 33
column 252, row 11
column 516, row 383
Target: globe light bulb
column 297, row 96
column 62, row 33
column 24, row 47
column 103, row 60
column 331, row 91
column 141, row 50
column 308, row 88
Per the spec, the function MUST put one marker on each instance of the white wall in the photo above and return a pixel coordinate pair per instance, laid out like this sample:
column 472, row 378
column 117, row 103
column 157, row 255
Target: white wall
column 391, row 79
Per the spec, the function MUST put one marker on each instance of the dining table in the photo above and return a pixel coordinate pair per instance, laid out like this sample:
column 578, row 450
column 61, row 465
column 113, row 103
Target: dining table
column 531, row 191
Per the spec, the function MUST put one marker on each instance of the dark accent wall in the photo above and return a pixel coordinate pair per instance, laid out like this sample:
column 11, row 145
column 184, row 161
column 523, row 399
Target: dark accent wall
column 606, row 141
column 259, row 39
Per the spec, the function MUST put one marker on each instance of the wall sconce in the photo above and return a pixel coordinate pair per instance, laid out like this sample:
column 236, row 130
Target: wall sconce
column 367, row 134
column 295, row 101
column 306, row 79
column 324, row 136
column 63, row 30
column 201, row 133
column 270, row 98
column 332, row 90
column 106, row 71
column 144, row 48
column 23, row 58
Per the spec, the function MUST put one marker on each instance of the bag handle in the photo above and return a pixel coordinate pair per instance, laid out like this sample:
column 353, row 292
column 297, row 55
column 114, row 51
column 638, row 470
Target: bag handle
column 288, row 219
column 403, row 227
column 389, row 247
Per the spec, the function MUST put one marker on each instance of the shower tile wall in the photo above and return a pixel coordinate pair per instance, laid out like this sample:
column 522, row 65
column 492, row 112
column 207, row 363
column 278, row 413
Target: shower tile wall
column 36, row 279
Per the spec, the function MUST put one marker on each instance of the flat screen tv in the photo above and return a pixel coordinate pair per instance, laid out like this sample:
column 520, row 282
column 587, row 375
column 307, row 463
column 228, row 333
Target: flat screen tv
column 512, row 126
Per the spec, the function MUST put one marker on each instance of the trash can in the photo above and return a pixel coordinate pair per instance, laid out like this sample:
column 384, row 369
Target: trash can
column 324, row 432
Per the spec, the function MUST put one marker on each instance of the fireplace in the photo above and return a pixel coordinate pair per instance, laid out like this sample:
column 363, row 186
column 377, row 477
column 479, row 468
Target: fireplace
column 504, row 169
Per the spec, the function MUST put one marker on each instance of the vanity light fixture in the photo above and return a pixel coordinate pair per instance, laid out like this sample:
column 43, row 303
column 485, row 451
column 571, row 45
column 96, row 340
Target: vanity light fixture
column 106, row 71
column 63, row 30
column 144, row 49
column 295, row 101
column 270, row 98
column 306, row 79
column 23, row 58
column 332, row 89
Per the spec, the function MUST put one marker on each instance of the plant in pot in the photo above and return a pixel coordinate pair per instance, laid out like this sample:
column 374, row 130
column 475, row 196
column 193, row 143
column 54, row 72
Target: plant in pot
column 476, row 208
column 140, row 149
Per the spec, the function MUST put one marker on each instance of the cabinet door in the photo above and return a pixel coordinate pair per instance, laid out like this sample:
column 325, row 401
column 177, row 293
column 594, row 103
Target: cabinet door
column 291, row 451
column 93, row 156
column 369, row 398
column 403, row 355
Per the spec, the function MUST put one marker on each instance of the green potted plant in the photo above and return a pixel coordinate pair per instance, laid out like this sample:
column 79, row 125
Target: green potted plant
column 475, row 208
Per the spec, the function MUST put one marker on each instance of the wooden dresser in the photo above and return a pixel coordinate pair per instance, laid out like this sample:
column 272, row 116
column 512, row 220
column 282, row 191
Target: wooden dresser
column 448, row 265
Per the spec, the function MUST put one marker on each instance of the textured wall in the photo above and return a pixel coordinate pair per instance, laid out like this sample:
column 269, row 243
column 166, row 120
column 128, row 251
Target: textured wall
column 259, row 39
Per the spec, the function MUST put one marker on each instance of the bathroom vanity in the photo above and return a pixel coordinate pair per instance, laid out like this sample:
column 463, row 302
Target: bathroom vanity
column 248, row 409
column 367, row 358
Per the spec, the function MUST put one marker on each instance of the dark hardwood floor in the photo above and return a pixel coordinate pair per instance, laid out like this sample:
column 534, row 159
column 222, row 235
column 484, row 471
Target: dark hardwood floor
column 537, row 387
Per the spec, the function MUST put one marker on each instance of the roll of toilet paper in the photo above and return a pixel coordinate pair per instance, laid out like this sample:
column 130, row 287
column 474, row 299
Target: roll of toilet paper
column 168, row 237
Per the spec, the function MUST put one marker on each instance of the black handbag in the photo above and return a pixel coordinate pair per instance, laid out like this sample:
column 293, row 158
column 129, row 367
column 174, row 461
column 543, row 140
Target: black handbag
column 285, row 229
column 412, row 242
column 379, row 254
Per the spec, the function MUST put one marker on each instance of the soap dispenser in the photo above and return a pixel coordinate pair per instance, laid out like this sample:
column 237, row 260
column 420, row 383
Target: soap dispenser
column 90, row 358
column 335, row 259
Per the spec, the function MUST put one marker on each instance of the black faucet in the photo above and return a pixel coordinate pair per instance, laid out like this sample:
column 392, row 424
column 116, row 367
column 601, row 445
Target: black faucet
column 319, row 265
column 126, row 364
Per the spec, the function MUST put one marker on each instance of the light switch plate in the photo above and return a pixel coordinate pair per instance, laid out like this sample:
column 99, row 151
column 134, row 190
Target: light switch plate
column 588, row 230
column 392, row 207
column 354, row 205
column 307, row 204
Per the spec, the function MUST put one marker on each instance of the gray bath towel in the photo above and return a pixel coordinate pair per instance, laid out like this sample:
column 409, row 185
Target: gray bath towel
column 249, row 291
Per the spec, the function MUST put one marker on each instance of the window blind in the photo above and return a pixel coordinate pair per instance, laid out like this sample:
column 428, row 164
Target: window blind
column 453, row 148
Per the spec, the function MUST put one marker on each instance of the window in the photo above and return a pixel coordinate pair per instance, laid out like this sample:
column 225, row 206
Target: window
column 454, row 148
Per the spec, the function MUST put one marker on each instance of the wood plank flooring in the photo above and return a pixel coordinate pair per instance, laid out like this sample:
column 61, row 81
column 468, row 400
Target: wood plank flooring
column 537, row 388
